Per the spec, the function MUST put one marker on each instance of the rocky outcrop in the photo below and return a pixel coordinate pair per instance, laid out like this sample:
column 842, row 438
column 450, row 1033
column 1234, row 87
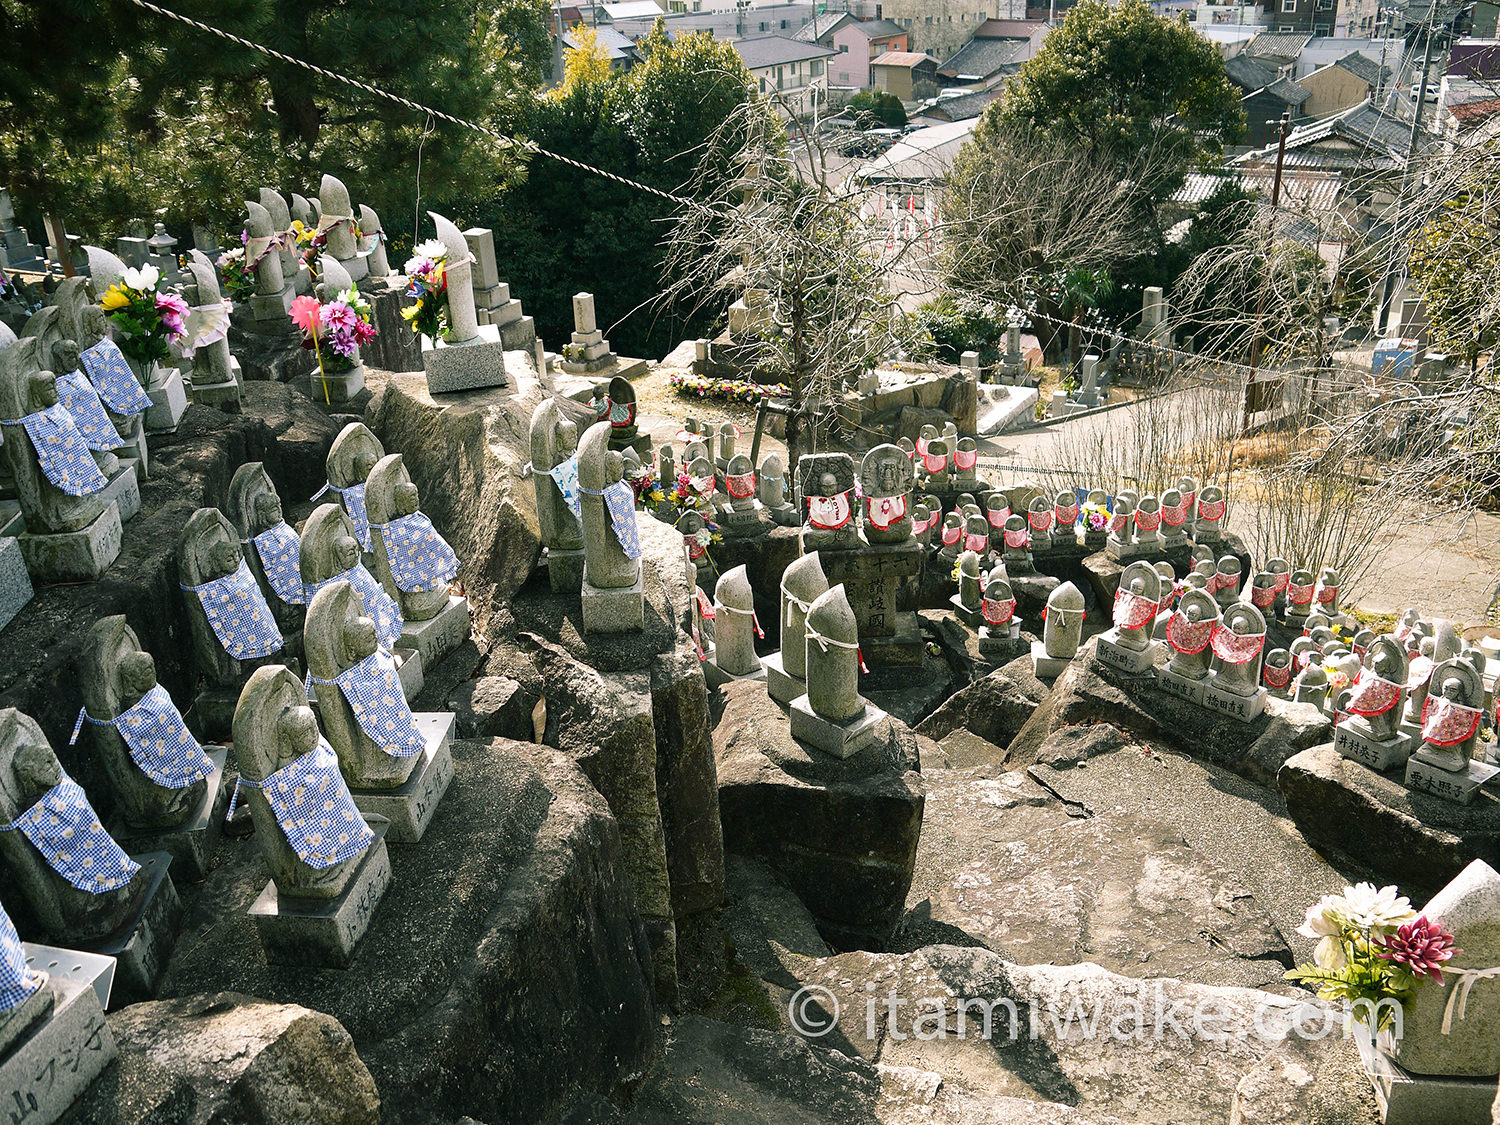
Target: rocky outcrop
column 493, row 707
column 994, row 707
column 505, row 966
column 230, row 1058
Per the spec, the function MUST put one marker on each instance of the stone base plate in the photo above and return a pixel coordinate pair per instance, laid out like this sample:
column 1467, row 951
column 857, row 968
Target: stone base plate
column 1121, row 658
column 620, row 610
column 143, row 952
column 564, row 570
column 226, row 396
column 784, row 516
column 51, row 1068
column 717, row 677
column 75, row 556
column 1002, row 647
column 324, row 936
column 1419, row 1099
column 272, row 306
column 842, row 740
column 192, row 845
column 1184, row 687
column 340, row 387
column 1245, row 708
column 902, row 649
column 465, row 367
column 124, row 489
column 1458, row 787
column 1352, row 739
column 780, row 686
column 1046, row 667
column 410, row 670
column 410, row 807
column 436, row 637
column 168, row 402
column 743, row 524
column 973, row 618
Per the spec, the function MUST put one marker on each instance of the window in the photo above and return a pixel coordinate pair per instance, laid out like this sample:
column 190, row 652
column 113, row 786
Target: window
column 764, row 27
column 1286, row 27
column 1323, row 6
column 929, row 19
column 817, row 68
column 762, row 85
column 783, row 25
column 844, row 49
column 1288, row 5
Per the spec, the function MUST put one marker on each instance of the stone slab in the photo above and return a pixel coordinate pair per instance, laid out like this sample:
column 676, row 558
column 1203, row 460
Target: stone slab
column 410, row 807
column 1419, row 1099
column 465, row 367
column 15, row 583
column 1458, row 787
column 125, row 490
column 1121, row 658
column 903, row 648
column 192, row 845
column 411, row 671
column 339, row 387
column 621, row 610
column 564, row 570
column 1181, row 686
column 168, row 402
column 272, row 306
column 842, row 740
column 973, row 618
column 226, row 396
column 143, row 950
column 717, row 677
column 1001, row 649
column 324, row 936
column 1046, row 667
column 1351, row 738
column 56, row 1062
column 1245, row 708
column 782, row 687
column 439, row 635
column 75, row 556
column 93, row 971
column 12, row 521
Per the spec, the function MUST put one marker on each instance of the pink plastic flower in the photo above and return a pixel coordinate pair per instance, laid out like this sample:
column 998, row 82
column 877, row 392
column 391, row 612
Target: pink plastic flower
column 364, row 332
column 304, row 314
column 338, row 317
column 173, row 310
column 1421, row 946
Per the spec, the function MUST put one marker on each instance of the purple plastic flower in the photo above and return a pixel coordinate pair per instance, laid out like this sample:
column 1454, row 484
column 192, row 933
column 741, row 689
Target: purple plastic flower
column 1421, row 946
column 339, row 317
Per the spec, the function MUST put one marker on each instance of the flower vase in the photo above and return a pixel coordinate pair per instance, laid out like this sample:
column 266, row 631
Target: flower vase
column 339, row 386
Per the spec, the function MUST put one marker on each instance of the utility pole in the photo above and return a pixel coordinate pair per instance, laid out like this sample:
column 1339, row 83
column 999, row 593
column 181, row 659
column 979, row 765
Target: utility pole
column 1260, row 307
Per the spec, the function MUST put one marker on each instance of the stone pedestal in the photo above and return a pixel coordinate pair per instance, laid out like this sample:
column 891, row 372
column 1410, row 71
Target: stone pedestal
column 621, row 610
column 564, row 570
column 973, row 618
column 1458, row 786
column 743, row 524
column 1420, row 1099
column 226, row 396
column 1046, row 667
column 54, row 1063
column 324, row 935
column 1002, row 646
column 1245, row 708
column 717, row 677
column 409, row 808
column 782, row 687
column 1130, row 661
column 168, row 401
column 465, row 367
column 1352, row 738
column 902, row 649
column 339, row 386
column 74, row 556
column 12, row 521
column 192, row 845
column 1184, row 687
column 273, row 306
column 141, row 952
column 880, row 581
column 411, row 671
column 124, row 489
column 15, row 583
column 436, row 637
column 842, row 740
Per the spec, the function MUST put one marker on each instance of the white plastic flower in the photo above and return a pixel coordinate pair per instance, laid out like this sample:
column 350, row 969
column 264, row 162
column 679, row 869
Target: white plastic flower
column 1324, row 921
column 142, row 280
column 432, row 248
column 1381, row 910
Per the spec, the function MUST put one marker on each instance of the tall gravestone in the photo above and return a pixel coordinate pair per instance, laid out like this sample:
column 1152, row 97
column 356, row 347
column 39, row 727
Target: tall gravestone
column 471, row 355
column 338, row 223
column 833, row 716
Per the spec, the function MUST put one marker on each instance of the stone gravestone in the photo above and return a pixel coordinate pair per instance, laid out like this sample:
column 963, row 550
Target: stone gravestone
column 1299, row 597
column 1372, row 732
column 414, row 564
column 15, row 582
column 825, row 486
column 966, row 603
column 1061, row 632
column 230, row 625
column 286, row 250
column 265, row 248
column 735, row 630
column 471, row 355
column 772, row 485
column 1190, row 628
column 1065, row 520
column 886, row 477
column 613, row 583
column 1276, row 672
column 1000, row 635
column 73, row 533
column 1128, row 647
column 554, row 466
column 83, row 890
column 397, row 763
column 327, row 878
column 493, row 303
column 1234, row 688
column 802, row 583
column 169, row 792
column 833, row 716
column 216, row 374
column 588, row 352
column 1088, row 391
column 338, row 222
column 272, row 546
column 1451, row 716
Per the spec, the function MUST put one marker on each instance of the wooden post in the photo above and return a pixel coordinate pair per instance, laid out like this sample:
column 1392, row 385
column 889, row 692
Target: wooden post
column 57, row 235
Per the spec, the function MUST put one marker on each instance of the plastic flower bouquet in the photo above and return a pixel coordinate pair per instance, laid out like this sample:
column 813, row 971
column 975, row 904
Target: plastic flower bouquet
column 1372, row 949
column 427, row 275
column 334, row 331
column 149, row 320
column 236, row 279
column 1095, row 517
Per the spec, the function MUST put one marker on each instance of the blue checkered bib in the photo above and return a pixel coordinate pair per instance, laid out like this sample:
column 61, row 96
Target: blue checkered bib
column 379, row 607
column 16, row 980
column 313, row 805
column 238, row 612
column 82, row 401
column 158, row 740
column 117, row 385
column 420, row 558
column 61, row 450
column 566, row 477
column 354, row 507
column 64, row 828
column 373, row 690
column 619, row 502
column 279, row 549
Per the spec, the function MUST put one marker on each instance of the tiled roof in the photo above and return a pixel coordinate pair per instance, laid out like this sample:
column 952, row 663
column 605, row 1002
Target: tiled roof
column 982, row 58
column 960, row 108
column 774, row 50
column 1249, row 73
column 822, row 25
column 1288, row 92
column 902, row 58
column 1278, row 44
column 1362, row 66
column 880, row 29
column 1008, row 29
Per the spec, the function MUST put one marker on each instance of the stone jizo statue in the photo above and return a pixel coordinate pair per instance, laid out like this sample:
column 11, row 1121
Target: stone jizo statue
column 272, row 545
column 886, row 474
column 413, row 562
column 1189, row 631
column 351, row 457
column 1380, row 687
column 1237, row 644
column 329, row 553
column 735, row 627
column 229, row 620
column 1137, row 602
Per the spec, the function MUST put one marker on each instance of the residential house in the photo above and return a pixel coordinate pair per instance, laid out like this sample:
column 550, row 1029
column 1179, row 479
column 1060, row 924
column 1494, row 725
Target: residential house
column 729, row 23
column 1230, row 13
column 1269, row 95
column 1475, row 58
column 1321, row 51
column 795, row 71
column 858, row 42
column 1344, row 18
column 619, row 49
column 630, row 10
column 1484, row 21
column 903, row 73
column 1342, row 85
column 1278, row 49
column 995, row 52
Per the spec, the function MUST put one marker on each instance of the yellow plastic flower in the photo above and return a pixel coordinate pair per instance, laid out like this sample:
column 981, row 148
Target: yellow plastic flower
column 114, row 299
